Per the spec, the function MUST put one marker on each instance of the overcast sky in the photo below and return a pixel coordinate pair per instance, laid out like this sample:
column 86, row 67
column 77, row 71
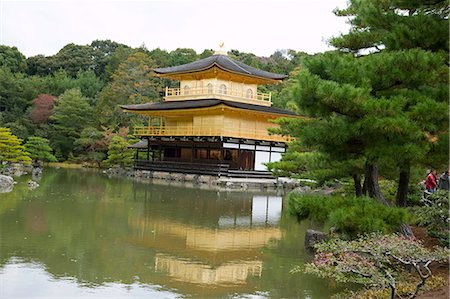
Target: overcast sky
column 260, row 27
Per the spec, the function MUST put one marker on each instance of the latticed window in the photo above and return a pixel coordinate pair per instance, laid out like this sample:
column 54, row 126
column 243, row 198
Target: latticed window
column 210, row 88
column 249, row 94
column 186, row 90
column 223, row 89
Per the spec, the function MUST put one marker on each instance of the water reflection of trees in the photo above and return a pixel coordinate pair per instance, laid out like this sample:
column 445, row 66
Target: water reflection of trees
column 99, row 230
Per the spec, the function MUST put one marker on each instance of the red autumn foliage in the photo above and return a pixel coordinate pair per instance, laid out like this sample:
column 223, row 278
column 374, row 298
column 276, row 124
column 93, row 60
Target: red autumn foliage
column 42, row 108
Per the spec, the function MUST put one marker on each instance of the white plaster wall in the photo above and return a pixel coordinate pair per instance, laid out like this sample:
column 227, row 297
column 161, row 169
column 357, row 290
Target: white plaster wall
column 260, row 159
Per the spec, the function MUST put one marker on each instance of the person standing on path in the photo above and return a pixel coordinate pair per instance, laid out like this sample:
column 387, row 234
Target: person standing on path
column 430, row 183
column 444, row 181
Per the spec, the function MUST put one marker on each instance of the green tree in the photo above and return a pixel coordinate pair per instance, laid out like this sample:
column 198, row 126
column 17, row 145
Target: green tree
column 71, row 114
column 11, row 148
column 33, row 86
column 103, row 52
column 119, row 153
column 57, row 83
column 395, row 25
column 40, row 65
column 11, row 58
column 12, row 102
column 388, row 108
column 413, row 77
column 71, row 59
column 74, row 58
column 206, row 53
column 133, row 83
column 89, row 85
column 160, row 57
column 247, row 58
column 91, row 145
column 182, row 56
column 39, row 149
column 120, row 55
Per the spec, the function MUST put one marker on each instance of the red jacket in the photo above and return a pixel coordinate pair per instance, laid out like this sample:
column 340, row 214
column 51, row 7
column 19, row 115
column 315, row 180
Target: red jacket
column 430, row 182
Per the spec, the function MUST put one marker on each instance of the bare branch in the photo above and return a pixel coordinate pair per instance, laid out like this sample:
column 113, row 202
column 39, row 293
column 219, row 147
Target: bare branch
column 423, row 277
column 360, row 273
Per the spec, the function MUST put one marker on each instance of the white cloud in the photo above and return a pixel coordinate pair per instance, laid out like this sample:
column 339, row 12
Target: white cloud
column 260, row 27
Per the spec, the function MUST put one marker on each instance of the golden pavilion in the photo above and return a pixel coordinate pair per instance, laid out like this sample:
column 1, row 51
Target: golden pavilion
column 216, row 122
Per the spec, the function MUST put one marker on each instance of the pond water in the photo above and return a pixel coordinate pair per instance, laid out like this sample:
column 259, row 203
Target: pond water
column 81, row 234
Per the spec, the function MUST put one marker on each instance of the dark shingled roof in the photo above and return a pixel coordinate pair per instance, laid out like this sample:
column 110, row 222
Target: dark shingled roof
column 204, row 104
column 223, row 62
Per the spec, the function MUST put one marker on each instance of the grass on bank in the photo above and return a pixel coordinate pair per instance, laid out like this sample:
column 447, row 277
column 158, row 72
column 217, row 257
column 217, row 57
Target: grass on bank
column 64, row 165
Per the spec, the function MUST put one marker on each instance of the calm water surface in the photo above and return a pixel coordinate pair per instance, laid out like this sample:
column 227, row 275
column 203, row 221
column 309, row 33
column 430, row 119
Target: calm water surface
column 83, row 235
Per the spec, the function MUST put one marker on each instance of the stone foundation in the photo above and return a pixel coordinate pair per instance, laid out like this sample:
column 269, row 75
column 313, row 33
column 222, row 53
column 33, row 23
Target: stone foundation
column 195, row 180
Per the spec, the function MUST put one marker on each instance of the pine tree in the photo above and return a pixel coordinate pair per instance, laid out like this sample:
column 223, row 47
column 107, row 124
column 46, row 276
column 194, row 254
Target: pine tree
column 71, row 115
column 11, row 149
column 382, row 96
column 410, row 81
column 39, row 149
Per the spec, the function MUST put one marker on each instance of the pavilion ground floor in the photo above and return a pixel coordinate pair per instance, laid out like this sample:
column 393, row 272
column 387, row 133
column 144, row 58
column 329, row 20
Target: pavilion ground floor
column 206, row 155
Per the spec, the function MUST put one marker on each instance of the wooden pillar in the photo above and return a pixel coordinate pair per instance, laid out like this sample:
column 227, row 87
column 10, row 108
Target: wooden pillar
column 148, row 150
column 222, row 153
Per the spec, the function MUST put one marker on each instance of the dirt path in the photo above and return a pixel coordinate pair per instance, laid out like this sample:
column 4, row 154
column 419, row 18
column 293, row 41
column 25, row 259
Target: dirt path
column 429, row 242
column 441, row 292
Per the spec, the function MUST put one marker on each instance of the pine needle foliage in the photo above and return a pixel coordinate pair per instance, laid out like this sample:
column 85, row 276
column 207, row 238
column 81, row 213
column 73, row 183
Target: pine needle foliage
column 350, row 216
column 11, row 148
column 39, row 149
column 382, row 96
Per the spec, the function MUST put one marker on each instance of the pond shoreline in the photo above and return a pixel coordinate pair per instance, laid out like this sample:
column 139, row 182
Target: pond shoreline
column 205, row 181
column 279, row 185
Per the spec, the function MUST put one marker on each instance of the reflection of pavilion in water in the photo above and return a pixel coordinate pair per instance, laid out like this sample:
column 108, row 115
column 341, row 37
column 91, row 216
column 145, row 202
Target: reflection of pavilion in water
column 188, row 271
column 226, row 254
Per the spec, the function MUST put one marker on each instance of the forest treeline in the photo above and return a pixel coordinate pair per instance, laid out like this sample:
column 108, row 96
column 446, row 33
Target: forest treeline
column 72, row 98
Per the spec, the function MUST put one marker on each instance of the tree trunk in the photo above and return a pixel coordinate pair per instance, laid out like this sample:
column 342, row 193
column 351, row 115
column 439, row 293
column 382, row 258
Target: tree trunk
column 373, row 189
column 405, row 230
column 357, row 182
column 371, row 182
column 402, row 190
column 364, row 187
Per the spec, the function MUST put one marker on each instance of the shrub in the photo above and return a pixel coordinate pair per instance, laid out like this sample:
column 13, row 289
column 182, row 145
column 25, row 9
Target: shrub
column 119, row 153
column 389, row 189
column 435, row 216
column 349, row 215
column 415, row 192
column 376, row 261
column 403, row 289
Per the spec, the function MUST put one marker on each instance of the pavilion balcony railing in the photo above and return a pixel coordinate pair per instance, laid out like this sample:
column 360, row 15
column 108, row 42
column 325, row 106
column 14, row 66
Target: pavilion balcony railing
column 208, row 131
column 240, row 95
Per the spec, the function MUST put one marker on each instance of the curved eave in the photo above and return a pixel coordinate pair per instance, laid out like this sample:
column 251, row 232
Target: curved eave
column 215, row 64
column 218, row 105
